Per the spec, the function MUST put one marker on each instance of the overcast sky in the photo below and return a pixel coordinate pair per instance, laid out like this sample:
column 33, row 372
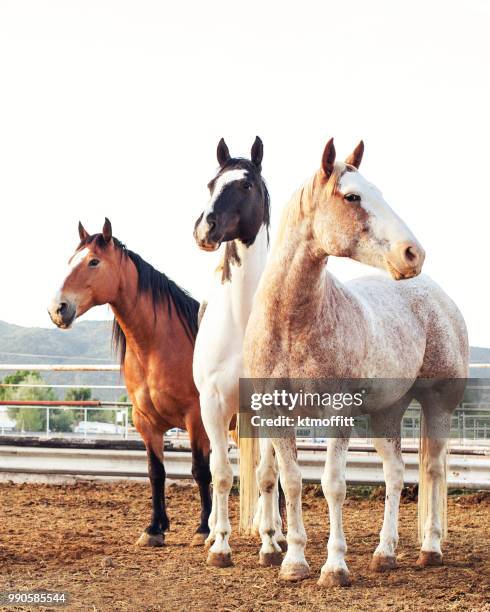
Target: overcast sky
column 115, row 109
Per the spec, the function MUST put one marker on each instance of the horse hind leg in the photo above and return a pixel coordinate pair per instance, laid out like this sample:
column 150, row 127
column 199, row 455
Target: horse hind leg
column 437, row 407
column 279, row 504
column 267, row 476
column 279, row 508
column 387, row 426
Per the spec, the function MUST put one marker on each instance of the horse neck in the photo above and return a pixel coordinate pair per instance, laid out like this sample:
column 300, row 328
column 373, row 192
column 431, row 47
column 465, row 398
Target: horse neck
column 245, row 275
column 297, row 274
column 134, row 313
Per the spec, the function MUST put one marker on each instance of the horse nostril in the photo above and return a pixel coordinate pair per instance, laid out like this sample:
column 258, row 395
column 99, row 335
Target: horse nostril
column 211, row 222
column 62, row 308
column 411, row 254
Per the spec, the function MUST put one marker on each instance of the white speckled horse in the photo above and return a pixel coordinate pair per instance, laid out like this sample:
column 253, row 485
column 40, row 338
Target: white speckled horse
column 306, row 324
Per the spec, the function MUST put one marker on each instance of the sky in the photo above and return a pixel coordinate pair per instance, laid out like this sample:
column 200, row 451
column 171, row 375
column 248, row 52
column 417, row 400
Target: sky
column 113, row 108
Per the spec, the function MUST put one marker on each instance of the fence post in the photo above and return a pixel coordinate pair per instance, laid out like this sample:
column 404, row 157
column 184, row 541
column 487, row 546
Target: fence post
column 47, row 420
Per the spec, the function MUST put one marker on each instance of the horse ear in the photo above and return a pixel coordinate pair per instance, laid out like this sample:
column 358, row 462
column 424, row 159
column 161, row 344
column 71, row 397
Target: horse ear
column 354, row 159
column 222, row 152
column 328, row 159
column 107, row 230
column 257, row 153
column 82, row 232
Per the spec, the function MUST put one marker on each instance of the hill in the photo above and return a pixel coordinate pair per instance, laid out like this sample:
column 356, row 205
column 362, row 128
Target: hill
column 90, row 342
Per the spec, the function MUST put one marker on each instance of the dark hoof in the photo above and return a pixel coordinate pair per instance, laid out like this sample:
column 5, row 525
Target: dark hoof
column 199, row 539
column 219, row 559
column 150, row 539
column 429, row 559
column 336, row 578
column 382, row 563
column 269, row 559
column 283, row 545
column 294, row 572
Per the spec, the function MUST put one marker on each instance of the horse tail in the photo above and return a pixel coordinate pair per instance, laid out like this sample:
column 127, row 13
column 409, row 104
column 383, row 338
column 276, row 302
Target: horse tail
column 424, row 476
column 249, row 490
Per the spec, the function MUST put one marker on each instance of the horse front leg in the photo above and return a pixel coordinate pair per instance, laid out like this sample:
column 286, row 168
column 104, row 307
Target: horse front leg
column 153, row 535
column 202, row 475
column 294, row 566
column 267, row 475
column 216, row 423
column 390, row 451
column 335, row 571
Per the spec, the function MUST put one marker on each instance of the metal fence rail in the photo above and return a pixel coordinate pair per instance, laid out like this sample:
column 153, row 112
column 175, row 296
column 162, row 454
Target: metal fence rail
column 62, row 464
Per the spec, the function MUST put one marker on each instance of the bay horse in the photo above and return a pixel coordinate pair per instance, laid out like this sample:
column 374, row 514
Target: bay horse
column 306, row 324
column 238, row 213
column 155, row 325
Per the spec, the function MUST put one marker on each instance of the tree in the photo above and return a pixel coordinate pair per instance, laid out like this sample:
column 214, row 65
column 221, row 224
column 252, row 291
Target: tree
column 27, row 419
column 78, row 395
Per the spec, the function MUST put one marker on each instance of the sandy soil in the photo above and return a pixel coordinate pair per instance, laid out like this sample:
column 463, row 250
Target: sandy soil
column 80, row 538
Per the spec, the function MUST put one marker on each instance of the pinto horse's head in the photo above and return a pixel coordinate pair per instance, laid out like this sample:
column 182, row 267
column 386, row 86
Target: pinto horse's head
column 93, row 277
column 239, row 202
column 351, row 219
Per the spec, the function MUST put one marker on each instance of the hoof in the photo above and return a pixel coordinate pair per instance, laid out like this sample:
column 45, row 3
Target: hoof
column 382, row 563
column 219, row 559
column 294, row 572
column 149, row 539
column 269, row 559
column 199, row 539
column 429, row 558
column 334, row 578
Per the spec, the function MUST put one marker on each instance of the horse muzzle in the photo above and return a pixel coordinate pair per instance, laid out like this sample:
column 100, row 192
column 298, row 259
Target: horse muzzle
column 205, row 235
column 405, row 260
column 62, row 314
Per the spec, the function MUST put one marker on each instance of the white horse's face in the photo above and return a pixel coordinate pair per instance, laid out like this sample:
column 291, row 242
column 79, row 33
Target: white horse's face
column 353, row 220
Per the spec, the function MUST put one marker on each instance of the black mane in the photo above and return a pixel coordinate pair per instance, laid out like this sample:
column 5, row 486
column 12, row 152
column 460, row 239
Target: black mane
column 162, row 289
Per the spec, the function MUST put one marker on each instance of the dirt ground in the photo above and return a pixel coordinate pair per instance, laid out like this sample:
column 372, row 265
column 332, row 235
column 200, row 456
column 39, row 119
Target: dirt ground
column 80, row 538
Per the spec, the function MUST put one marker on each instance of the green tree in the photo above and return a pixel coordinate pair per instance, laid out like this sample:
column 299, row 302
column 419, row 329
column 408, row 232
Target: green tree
column 78, row 395
column 27, row 419
column 61, row 420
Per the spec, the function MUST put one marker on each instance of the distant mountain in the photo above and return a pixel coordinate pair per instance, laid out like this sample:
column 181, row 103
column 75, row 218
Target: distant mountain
column 90, row 342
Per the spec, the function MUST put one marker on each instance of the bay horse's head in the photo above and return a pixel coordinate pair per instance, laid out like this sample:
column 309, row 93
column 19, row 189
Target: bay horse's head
column 93, row 277
column 351, row 219
column 239, row 202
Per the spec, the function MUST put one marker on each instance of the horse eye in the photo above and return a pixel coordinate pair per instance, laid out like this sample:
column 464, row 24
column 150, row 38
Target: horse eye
column 352, row 197
column 93, row 262
column 247, row 185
